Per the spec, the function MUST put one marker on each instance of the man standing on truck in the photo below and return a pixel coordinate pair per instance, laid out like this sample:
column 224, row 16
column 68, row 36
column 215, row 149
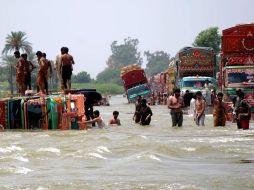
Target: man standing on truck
column 66, row 68
column 175, row 103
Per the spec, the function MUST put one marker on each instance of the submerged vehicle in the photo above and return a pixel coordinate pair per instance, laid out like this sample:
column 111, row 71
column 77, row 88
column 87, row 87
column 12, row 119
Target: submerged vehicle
column 55, row 111
column 135, row 82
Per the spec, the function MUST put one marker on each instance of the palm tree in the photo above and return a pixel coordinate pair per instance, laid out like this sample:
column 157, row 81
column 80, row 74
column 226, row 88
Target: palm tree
column 9, row 62
column 17, row 41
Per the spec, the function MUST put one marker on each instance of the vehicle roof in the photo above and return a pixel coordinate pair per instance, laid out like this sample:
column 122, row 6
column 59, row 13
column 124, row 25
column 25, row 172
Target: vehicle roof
column 199, row 77
column 188, row 48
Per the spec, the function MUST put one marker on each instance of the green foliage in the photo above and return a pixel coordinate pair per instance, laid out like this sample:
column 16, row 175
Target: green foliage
column 109, row 75
column 81, row 77
column 17, row 41
column 8, row 63
column 209, row 38
column 156, row 62
column 124, row 54
column 103, row 88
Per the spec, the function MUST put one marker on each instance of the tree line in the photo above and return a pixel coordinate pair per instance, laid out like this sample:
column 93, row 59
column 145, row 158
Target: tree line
column 122, row 54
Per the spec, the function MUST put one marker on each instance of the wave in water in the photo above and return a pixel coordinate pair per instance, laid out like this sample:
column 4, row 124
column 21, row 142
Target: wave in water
column 50, row 149
column 102, row 149
column 10, row 149
column 96, row 155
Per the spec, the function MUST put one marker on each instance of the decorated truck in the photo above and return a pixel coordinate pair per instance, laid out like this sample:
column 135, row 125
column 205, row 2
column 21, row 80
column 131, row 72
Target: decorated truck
column 191, row 68
column 159, row 83
column 237, row 62
column 135, row 82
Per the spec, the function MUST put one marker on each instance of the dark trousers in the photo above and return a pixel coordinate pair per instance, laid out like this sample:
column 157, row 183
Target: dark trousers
column 177, row 118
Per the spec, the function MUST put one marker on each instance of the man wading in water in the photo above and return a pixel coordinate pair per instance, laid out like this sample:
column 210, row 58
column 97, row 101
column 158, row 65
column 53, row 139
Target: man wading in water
column 175, row 103
column 219, row 111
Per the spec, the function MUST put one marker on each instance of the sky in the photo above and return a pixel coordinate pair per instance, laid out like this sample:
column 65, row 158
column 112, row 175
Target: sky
column 88, row 27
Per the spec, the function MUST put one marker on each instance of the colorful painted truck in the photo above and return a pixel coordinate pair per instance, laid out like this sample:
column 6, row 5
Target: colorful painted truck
column 135, row 82
column 53, row 112
column 191, row 68
column 237, row 62
column 159, row 83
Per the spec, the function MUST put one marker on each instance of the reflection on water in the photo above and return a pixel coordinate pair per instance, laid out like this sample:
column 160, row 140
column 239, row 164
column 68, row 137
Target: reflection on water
column 129, row 156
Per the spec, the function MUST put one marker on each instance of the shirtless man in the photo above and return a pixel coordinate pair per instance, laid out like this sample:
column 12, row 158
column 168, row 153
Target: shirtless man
column 48, row 75
column 199, row 111
column 20, row 73
column 219, row 111
column 29, row 67
column 43, row 69
column 66, row 68
column 58, row 68
column 175, row 103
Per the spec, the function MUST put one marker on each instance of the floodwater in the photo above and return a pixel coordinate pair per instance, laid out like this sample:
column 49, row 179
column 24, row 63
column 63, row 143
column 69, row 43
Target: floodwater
column 130, row 156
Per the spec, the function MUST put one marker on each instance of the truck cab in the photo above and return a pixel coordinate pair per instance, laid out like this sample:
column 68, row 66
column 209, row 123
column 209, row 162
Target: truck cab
column 194, row 84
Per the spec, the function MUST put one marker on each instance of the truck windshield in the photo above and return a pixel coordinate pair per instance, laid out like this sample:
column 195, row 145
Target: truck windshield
column 245, row 75
column 194, row 84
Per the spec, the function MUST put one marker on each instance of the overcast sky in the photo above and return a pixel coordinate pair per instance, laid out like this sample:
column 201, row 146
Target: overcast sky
column 89, row 27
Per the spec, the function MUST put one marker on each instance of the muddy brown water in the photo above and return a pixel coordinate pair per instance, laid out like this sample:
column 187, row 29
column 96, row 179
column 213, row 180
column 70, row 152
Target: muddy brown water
column 130, row 156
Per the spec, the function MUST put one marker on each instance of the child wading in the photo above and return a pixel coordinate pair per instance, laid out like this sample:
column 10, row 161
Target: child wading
column 199, row 112
column 114, row 121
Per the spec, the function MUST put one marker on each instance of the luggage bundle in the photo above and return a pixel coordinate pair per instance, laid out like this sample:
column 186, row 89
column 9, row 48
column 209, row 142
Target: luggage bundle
column 129, row 68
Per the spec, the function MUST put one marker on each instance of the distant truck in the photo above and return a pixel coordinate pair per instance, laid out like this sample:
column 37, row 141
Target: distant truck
column 191, row 68
column 135, row 82
column 237, row 62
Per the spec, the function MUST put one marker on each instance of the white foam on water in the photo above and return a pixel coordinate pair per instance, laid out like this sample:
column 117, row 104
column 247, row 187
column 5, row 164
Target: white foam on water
column 22, row 170
column 102, row 149
column 42, row 188
column 225, row 140
column 143, row 136
column 22, row 159
column 182, row 186
column 189, row 149
column 96, row 155
column 154, row 157
column 50, row 149
column 151, row 156
column 10, row 149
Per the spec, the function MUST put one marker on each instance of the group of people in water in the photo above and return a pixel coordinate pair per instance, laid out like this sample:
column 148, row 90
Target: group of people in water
column 198, row 106
column 24, row 68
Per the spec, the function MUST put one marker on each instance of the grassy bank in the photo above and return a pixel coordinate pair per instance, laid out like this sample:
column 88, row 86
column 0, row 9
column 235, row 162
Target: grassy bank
column 103, row 88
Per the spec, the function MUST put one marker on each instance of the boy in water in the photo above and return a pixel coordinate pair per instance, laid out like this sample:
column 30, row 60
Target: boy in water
column 175, row 103
column 97, row 119
column 199, row 112
column 114, row 121
column 136, row 116
column 145, row 113
column 219, row 111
